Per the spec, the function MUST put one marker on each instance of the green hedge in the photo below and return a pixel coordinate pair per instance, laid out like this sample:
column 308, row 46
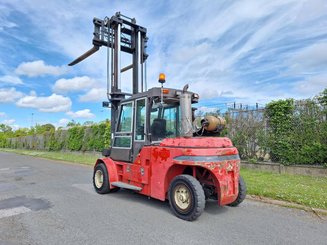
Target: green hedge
column 280, row 121
column 297, row 132
column 94, row 137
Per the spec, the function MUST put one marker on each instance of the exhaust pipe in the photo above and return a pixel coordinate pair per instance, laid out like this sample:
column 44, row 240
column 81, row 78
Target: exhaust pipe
column 186, row 113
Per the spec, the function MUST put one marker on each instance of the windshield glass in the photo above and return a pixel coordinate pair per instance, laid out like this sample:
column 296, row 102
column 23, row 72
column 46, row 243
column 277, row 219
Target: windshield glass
column 164, row 121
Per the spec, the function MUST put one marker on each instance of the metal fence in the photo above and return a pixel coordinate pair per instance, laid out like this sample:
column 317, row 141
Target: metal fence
column 249, row 128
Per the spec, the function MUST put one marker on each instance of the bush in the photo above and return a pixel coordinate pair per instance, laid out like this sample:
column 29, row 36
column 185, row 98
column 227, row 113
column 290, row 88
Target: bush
column 279, row 118
column 297, row 132
column 96, row 141
column 55, row 142
column 247, row 131
column 75, row 138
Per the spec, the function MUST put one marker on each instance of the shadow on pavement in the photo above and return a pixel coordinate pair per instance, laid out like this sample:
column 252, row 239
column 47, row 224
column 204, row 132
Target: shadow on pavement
column 211, row 205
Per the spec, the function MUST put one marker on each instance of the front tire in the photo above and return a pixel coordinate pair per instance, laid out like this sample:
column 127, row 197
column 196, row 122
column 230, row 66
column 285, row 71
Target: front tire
column 186, row 197
column 241, row 193
column 101, row 180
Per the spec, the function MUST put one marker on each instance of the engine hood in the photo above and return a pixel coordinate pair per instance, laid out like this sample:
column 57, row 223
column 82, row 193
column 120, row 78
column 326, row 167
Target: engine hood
column 198, row 142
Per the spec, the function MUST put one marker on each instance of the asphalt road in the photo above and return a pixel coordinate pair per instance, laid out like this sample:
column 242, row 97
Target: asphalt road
column 50, row 202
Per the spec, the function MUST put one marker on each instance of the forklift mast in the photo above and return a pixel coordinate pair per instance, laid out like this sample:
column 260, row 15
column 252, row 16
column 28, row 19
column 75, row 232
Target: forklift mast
column 120, row 34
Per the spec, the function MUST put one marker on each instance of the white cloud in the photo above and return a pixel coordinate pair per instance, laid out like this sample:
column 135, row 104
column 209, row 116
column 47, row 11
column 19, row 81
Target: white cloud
column 8, row 121
column 310, row 59
column 205, row 109
column 11, row 123
column 73, row 84
column 4, row 21
column 311, row 86
column 39, row 68
column 11, row 79
column 215, row 58
column 15, row 127
column 32, row 93
column 2, row 114
column 9, row 95
column 309, row 10
column 94, row 95
column 52, row 103
column 212, row 46
column 86, row 113
column 71, row 26
column 62, row 122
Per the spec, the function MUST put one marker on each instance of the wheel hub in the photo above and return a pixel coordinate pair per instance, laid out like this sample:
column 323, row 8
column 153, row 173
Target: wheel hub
column 182, row 197
column 98, row 179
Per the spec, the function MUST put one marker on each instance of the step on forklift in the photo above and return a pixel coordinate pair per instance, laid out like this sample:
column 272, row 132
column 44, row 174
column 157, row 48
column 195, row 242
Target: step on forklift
column 157, row 149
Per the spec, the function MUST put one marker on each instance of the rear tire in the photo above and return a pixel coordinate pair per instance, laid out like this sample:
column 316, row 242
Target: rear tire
column 186, row 197
column 241, row 193
column 101, row 180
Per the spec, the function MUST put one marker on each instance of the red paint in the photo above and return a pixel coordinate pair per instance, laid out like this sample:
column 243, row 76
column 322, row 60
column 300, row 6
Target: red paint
column 155, row 166
column 200, row 142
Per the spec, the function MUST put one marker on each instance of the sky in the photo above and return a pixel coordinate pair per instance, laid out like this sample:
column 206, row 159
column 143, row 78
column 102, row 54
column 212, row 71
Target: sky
column 249, row 51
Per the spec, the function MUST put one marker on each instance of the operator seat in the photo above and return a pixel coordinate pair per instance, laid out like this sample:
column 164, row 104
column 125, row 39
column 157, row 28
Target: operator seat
column 158, row 129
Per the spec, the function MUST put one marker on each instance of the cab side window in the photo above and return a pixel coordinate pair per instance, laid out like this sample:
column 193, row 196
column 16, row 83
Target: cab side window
column 125, row 120
column 123, row 138
column 140, row 119
column 171, row 115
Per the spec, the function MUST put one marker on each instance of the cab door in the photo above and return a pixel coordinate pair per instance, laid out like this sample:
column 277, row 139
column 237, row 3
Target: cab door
column 122, row 146
column 140, row 126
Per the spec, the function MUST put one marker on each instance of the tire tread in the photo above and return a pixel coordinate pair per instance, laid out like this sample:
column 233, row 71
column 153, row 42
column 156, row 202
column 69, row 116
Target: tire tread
column 199, row 197
column 241, row 193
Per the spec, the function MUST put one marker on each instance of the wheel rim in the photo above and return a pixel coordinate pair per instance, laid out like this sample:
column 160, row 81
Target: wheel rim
column 98, row 179
column 182, row 197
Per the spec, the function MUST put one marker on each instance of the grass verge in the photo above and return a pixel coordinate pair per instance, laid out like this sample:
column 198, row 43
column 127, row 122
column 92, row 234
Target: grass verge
column 82, row 158
column 304, row 190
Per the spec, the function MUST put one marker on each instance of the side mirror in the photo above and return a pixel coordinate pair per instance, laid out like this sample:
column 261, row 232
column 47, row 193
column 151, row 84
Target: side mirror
column 106, row 104
column 106, row 152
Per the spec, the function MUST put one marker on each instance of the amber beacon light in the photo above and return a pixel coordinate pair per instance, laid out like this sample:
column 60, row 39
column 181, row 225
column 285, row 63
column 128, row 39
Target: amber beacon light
column 162, row 78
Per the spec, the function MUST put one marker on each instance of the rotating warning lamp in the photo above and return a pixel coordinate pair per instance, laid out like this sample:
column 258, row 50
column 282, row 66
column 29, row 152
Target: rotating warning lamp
column 162, row 78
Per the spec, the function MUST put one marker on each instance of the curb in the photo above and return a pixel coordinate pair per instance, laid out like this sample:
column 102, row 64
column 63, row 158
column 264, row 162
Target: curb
column 317, row 211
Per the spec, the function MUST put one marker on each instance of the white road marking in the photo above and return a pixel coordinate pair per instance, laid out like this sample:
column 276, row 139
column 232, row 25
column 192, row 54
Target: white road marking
column 13, row 211
column 7, row 169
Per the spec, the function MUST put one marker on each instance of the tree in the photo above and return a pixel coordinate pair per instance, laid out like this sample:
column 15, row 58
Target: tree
column 5, row 128
column 40, row 129
column 322, row 97
column 21, row 132
column 48, row 127
column 73, row 123
column 88, row 123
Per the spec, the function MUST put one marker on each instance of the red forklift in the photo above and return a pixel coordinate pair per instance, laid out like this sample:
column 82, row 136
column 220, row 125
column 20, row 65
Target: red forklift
column 157, row 149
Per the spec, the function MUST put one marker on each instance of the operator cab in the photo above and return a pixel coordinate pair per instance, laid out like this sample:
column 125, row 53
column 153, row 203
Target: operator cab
column 146, row 119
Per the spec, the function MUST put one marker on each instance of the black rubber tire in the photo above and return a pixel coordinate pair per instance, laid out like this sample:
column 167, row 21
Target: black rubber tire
column 196, row 195
column 105, row 188
column 241, row 193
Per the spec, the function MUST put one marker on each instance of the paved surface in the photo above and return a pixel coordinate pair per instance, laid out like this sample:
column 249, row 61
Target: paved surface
column 49, row 202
